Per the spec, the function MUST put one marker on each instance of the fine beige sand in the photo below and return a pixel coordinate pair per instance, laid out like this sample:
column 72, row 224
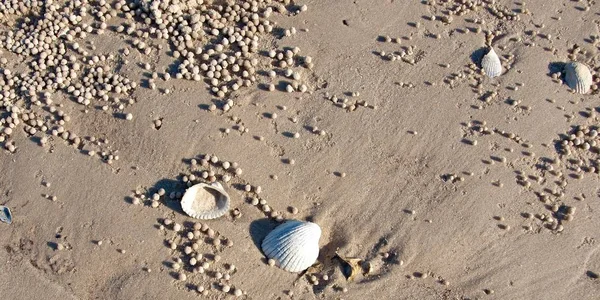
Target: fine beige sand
column 399, row 183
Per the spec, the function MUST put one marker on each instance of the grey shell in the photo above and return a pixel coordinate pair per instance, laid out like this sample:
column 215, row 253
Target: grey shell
column 491, row 64
column 293, row 245
column 578, row 77
column 5, row 214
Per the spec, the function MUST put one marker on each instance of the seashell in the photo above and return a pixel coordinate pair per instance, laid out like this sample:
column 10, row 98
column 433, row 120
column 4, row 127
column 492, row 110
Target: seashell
column 205, row 201
column 351, row 266
column 491, row 64
column 578, row 77
column 5, row 215
column 293, row 245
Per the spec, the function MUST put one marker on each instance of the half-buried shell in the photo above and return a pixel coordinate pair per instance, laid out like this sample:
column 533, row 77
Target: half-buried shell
column 5, row 214
column 491, row 64
column 578, row 77
column 293, row 245
column 205, row 201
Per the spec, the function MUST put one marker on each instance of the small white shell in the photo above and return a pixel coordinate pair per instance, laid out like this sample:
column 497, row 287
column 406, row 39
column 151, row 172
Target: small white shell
column 578, row 77
column 205, row 201
column 491, row 64
column 5, row 214
column 293, row 245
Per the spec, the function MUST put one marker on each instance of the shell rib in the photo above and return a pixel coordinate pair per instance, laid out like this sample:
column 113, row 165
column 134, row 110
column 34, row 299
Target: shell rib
column 578, row 77
column 205, row 201
column 5, row 214
column 293, row 245
column 491, row 64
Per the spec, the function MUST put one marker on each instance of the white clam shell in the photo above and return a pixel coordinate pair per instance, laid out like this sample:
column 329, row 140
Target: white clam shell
column 293, row 245
column 578, row 77
column 491, row 64
column 205, row 201
column 5, row 214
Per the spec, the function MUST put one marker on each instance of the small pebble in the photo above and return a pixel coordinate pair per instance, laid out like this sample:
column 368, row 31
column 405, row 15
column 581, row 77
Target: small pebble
column 176, row 227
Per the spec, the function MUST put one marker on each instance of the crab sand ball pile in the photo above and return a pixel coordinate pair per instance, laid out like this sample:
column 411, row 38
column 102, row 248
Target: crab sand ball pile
column 57, row 71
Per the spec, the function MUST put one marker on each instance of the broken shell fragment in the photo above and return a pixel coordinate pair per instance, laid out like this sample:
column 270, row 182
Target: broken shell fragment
column 294, row 245
column 351, row 266
column 491, row 64
column 578, row 77
column 205, row 201
column 5, row 214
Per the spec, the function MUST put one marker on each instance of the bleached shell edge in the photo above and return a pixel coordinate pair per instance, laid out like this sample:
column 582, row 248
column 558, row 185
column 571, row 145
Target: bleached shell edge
column 205, row 215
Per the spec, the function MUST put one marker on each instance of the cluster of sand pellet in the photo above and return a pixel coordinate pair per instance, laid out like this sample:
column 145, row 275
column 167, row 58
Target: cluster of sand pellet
column 544, row 177
column 208, row 169
column 49, row 69
column 347, row 103
column 195, row 252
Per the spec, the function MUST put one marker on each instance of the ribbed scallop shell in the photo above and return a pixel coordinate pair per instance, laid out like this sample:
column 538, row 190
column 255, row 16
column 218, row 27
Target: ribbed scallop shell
column 293, row 245
column 205, row 201
column 491, row 64
column 578, row 77
column 5, row 215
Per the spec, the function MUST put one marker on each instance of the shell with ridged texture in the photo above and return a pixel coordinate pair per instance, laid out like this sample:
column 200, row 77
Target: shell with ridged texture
column 578, row 77
column 293, row 245
column 491, row 64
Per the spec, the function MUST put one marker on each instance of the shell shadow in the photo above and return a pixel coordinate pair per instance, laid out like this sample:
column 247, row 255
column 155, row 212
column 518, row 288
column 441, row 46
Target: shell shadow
column 478, row 55
column 259, row 230
column 555, row 67
column 282, row 85
column 52, row 245
column 170, row 185
column 119, row 115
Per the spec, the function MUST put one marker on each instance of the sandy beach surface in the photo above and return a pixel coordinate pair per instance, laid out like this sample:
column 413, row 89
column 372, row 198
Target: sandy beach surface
column 380, row 127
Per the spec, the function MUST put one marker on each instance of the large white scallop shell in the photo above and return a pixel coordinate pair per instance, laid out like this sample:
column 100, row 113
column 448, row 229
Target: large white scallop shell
column 293, row 245
column 491, row 64
column 578, row 77
column 5, row 214
column 205, row 201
